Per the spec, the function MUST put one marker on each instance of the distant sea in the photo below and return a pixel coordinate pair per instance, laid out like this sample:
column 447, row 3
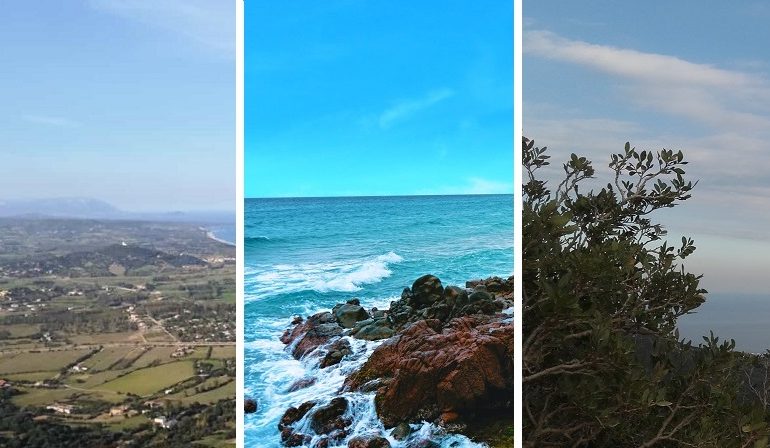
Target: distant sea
column 225, row 233
column 743, row 317
column 304, row 255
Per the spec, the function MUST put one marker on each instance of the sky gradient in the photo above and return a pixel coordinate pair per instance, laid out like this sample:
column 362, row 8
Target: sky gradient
column 675, row 75
column 350, row 98
column 127, row 101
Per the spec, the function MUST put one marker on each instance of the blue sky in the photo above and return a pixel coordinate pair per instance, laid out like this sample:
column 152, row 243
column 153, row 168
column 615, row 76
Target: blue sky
column 679, row 75
column 353, row 97
column 128, row 101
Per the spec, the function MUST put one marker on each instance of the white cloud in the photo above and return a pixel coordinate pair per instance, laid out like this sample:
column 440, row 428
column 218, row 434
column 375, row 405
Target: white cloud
column 647, row 67
column 208, row 23
column 407, row 108
column 698, row 92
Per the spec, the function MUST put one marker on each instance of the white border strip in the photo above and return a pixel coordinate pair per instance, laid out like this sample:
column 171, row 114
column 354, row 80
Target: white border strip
column 239, row 201
column 517, row 206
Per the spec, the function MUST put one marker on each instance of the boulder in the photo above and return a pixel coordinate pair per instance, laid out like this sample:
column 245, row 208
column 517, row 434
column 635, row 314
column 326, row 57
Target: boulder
column 430, row 369
column 338, row 350
column 348, row 314
column 402, row 431
column 480, row 293
column 291, row 438
column 249, row 405
column 454, row 296
column 293, row 415
column 426, row 291
column 373, row 330
column 312, row 333
column 329, row 418
column 368, row 442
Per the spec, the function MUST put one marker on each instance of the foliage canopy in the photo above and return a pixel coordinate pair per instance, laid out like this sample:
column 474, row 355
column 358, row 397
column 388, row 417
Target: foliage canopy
column 602, row 292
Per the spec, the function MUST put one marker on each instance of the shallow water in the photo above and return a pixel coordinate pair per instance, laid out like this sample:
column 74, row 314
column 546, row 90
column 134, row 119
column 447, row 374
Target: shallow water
column 305, row 255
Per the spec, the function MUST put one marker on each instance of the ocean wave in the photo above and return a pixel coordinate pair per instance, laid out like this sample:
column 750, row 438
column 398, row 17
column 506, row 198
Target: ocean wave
column 256, row 240
column 341, row 276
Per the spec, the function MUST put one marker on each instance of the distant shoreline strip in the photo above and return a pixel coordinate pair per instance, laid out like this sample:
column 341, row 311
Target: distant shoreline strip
column 211, row 235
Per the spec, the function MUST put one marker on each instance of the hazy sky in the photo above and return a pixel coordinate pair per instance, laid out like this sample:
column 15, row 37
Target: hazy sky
column 349, row 97
column 677, row 75
column 129, row 101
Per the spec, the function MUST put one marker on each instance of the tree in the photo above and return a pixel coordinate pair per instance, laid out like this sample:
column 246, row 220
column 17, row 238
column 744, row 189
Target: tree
column 602, row 291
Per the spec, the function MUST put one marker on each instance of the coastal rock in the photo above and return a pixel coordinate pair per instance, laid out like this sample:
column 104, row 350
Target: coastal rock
column 301, row 384
column 338, row 350
column 425, row 301
column 291, row 438
column 373, row 330
column 464, row 367
column 329, row 418
column 349, row 313
column 401, row 432
column 424, row 443
column 293, row 415
column 480, row 293
column 317, row 330
column 447, row 358
column 454, row 296
column 249, row 405
column 368, row 442
column 426, row 291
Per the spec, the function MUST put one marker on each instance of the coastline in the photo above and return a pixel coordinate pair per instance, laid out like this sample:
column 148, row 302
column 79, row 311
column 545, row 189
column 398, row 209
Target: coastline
column 211, row 235
column 404, row 406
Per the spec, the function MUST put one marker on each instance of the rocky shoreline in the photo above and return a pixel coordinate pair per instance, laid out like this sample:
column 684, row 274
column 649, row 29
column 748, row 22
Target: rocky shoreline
column 445, row 357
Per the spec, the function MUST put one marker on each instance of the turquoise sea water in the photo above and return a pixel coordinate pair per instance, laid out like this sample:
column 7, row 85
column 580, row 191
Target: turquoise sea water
column 305, row 255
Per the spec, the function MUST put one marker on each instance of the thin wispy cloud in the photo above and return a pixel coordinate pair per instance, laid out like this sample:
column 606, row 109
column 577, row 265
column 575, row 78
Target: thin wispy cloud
column 407, row 108
column 647, row 67
column 722, row 116
column 700, row 92
column 49, row 120
column 205, row 22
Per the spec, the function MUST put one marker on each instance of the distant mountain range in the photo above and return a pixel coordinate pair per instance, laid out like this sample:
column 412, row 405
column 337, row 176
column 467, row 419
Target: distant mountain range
column 89, row 208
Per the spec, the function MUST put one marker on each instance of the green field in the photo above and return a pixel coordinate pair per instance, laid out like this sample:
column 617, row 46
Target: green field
column 21, row 330
column 39, row 362
column 34, row 396
column 211, row 396
column 108, row 357
column 160, row 355
column 31, row 377
column 152, row 379
column 93, row 380
column 223, row 352
column 123, row 422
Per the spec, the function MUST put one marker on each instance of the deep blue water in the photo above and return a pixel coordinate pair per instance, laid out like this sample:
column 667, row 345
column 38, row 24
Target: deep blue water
column 305, row 255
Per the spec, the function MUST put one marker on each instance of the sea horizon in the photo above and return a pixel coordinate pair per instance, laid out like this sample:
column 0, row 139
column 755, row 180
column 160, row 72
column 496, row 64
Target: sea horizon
column 379, row 196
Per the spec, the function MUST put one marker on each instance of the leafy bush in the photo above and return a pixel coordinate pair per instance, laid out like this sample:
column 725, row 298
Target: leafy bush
column 602, row 291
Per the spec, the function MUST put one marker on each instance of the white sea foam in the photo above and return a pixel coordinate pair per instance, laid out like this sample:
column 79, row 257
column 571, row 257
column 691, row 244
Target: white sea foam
column 344, row 276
